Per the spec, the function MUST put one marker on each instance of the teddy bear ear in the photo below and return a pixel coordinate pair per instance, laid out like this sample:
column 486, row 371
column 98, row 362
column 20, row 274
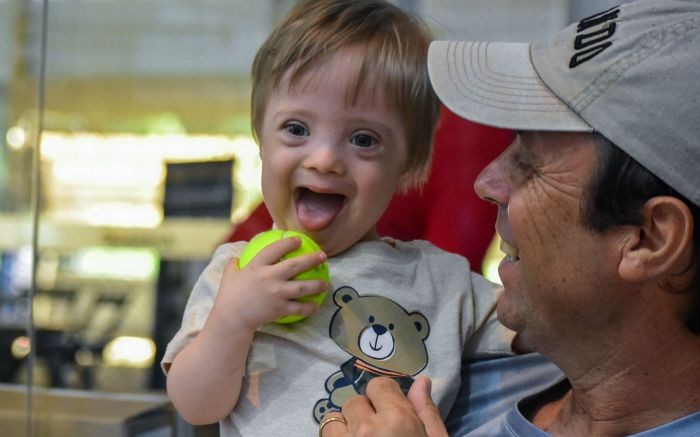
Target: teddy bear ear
column 343, row 295
column 421, row 324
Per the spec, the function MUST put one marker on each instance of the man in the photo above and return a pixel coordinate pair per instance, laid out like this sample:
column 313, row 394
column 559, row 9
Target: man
column 598, row 207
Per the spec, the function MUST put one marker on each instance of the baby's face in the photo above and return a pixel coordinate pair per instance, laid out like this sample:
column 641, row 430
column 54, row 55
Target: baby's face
column 330, row 166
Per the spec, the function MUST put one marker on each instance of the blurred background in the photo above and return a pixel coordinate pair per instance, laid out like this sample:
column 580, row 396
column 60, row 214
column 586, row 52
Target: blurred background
column 146, row 163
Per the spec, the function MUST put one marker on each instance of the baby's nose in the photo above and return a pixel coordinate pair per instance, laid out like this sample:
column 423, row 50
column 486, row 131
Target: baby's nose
column 325, row 159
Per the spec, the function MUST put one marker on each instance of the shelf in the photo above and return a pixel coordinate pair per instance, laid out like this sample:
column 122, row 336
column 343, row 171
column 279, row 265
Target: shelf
column 175, row 238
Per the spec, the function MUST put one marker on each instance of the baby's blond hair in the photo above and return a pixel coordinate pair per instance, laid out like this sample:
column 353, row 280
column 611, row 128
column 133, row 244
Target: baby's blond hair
column 395, row 47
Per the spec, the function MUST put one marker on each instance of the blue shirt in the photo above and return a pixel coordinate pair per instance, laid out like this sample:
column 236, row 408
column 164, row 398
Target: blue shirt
column 493, row 392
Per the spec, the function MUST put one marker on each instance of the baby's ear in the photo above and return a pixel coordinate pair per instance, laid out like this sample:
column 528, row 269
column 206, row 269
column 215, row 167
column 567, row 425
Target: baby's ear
column 661, row 246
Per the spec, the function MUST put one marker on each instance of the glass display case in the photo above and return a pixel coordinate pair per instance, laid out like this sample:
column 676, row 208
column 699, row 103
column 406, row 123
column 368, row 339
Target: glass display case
column 126, row 157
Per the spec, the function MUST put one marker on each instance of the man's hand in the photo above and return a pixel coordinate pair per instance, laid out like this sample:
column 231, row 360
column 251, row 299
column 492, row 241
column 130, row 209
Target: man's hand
column 425, row 408
column 385, row 411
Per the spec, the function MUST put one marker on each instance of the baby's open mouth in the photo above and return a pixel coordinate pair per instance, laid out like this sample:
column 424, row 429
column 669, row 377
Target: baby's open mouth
column 315, row 210
column 510, row 251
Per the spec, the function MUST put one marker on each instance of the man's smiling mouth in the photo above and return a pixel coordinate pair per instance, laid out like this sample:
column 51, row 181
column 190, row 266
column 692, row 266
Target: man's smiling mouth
column 510, row 251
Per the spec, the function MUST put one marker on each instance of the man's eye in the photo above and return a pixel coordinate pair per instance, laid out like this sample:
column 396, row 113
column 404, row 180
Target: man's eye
column 363, row 140
column 296, row 130
column 520, row 163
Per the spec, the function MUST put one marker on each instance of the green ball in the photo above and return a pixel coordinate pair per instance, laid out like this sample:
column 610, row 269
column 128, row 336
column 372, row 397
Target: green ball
column 308, row 245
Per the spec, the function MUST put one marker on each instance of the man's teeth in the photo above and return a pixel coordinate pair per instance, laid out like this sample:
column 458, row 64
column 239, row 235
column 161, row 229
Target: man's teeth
column 510, row 251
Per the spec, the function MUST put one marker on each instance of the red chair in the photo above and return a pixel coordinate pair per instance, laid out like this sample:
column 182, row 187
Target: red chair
column 447, row 212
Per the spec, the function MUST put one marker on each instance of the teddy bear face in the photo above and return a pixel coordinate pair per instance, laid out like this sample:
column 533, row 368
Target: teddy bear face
column 379, row 332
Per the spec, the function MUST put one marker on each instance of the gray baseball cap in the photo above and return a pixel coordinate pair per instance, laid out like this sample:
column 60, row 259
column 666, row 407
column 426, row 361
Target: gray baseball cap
column 631, row 73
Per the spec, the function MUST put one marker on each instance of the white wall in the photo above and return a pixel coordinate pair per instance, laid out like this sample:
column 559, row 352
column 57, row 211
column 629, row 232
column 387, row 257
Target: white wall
column 7, row 8
column 505, row 20
column 112, row 38
column 495, row 20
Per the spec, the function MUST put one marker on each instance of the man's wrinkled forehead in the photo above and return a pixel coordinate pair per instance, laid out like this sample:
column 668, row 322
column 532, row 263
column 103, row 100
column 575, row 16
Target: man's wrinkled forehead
column 535, row 144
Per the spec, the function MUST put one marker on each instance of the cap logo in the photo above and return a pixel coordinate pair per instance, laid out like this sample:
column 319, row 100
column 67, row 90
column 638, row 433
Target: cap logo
column 592, row 36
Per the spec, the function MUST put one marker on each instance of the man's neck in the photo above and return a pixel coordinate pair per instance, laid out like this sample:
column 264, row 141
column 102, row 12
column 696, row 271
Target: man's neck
column 624, row 396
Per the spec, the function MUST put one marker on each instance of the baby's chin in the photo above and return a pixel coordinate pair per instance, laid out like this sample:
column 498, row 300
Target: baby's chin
column 332, row 247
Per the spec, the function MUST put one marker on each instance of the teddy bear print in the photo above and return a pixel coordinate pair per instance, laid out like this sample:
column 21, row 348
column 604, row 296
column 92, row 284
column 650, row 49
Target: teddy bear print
column 382, row 338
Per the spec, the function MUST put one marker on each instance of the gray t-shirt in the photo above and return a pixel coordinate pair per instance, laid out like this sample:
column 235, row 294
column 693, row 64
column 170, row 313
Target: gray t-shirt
column 394, row 308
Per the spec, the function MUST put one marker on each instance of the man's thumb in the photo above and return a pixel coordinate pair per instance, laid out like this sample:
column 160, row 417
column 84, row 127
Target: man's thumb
column 427, row 411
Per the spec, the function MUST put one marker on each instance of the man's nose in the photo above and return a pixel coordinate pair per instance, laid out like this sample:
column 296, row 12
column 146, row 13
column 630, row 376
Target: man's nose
column 491, row 184
column 325, row 158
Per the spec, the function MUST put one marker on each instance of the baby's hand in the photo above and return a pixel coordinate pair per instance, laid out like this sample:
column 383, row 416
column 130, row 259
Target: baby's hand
column 265, row 290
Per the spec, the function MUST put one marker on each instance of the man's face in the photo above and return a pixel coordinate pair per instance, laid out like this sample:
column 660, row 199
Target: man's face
column 556, row 269
column 331, row 165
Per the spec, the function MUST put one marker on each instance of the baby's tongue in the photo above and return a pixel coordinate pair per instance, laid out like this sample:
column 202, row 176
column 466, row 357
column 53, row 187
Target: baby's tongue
column 315, row 211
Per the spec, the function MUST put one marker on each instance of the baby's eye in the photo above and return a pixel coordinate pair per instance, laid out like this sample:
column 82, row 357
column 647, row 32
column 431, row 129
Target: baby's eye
column 296, row 129
column 363, row 140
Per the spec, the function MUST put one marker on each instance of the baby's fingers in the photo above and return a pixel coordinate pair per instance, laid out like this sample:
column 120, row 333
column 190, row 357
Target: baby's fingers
column 297, row 308
column 298, row 289
column 274, row 251
column 291, row 267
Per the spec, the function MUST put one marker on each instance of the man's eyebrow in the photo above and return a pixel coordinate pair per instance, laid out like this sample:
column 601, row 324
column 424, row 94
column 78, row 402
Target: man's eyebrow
column 523, row 146
column 518, row 138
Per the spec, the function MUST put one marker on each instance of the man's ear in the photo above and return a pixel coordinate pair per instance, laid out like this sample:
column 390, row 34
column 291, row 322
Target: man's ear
column 661, row 244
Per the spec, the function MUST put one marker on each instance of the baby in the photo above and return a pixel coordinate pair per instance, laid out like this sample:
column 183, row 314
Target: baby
column 344, row 115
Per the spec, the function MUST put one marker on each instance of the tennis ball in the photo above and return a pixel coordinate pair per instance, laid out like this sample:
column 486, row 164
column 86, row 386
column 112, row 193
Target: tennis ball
column 308, row 245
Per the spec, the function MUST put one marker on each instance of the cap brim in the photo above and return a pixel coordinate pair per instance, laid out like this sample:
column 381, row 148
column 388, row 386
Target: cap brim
column 496, row 84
